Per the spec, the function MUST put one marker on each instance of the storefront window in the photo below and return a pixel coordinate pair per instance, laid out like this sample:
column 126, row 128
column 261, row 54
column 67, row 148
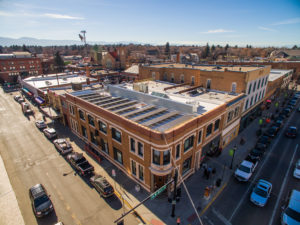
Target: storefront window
column 155, row 157
column 186, row 166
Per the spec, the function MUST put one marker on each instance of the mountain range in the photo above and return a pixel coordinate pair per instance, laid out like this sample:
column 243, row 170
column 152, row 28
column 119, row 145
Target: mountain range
column 5, row 41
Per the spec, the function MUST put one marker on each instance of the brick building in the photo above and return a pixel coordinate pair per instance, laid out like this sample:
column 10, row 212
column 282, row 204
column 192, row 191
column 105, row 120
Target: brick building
column 16, row 64
column 148, row 128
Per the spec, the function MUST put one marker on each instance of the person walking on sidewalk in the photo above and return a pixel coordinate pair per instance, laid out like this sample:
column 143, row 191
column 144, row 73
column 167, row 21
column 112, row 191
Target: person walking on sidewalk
column 208, row 172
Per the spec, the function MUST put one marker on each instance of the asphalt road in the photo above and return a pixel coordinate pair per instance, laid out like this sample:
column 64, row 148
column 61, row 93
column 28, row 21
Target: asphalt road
column 30, row 158
column 233, row 205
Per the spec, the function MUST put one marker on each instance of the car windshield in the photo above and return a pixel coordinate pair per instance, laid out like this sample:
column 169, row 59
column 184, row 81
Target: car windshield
column 292, row 130
column 298, row 167
column 244, row 169
column 260, row 192
column 108, row 189
column 293, row 214
column 39, row 201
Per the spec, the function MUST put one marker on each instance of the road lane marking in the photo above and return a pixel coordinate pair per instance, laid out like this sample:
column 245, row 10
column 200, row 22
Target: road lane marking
column 221, row 217
column 283, row 186
column 258, row 172
column 214, row 198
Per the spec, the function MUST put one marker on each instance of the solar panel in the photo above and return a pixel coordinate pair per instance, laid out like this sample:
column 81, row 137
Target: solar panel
column 161, row 118
column 151, row 113
column 141, row 110
column 121, row 110
column 119, row 106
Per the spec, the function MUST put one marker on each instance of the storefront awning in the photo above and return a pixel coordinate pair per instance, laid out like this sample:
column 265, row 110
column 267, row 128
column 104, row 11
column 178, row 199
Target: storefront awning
column 26, row 91
column 50, row 112
column 39, row 100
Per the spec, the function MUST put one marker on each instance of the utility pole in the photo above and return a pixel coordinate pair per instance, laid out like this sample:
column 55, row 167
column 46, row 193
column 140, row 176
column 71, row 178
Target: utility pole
column 84, row 40
column 234, row 149
column 174, row 195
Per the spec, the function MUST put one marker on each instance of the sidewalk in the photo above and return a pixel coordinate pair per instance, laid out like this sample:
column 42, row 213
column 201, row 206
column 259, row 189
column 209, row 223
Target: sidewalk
column 10, row 213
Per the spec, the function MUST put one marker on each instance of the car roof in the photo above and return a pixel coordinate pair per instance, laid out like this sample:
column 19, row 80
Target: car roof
column 295, row 200
column 37, row 190
column 61, row 140
column 51, row 130
column 102, row 181
column 247, row 163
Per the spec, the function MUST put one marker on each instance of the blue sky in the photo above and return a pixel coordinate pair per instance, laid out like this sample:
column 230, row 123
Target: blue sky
column 255, row 22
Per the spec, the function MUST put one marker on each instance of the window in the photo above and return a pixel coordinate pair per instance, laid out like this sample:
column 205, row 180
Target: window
column 153, row 76
column 91, row 120
column 133, row 167
column 165, row 76
column 84, row 133
column 266, row 80
column 259, row 95
column 102, row 127
column 71, row 109
column 255, row 97
column 262, row 82
column 155, row 157
column 104, row 146
column 141, row 172
column 188, row 143
column 236, row 111
column 166, row 157
column 246, row 106
column 258, row 84
column 116, row 134
column 193, row 81
column 249, row 90
column 140, row 149
column 186, row 165
column 233, row 87
column 254, row 86
column 172, row 77
column 182, row 78
column 93, row 138
column 177, row 155
column 81, row 114
column 118, row 156
column 132, row 145
column 251, row 101
column 208, row 83
column 263, row 94
column 208, row 130
column 199, row 136
column 217, row 124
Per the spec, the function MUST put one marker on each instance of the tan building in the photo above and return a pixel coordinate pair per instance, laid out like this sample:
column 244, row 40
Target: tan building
column 147, row 129
column 251, row 80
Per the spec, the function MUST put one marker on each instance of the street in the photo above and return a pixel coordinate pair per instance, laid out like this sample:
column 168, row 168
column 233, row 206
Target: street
column 30, row 158
column 234, row 207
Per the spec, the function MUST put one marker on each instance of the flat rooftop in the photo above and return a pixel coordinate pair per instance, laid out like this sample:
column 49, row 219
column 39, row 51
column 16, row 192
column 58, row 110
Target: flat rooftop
column 157, row 109
column 55, row 79
column 275, row 74
column 235, row 68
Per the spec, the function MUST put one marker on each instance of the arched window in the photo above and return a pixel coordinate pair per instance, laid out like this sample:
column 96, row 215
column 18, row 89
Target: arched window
column 182, row 78
column 233, row 87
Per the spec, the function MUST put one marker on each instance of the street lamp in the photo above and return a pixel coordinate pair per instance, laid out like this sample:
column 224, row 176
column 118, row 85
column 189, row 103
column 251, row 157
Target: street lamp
column 233, row 153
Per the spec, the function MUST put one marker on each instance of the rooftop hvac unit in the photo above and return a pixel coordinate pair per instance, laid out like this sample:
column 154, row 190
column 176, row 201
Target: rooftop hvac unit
column 76, row 86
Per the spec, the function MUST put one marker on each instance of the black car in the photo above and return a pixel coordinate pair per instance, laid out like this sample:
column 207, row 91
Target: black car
column 261, row 146
column 287, row 111
column 264, row 140
column 291, row 132
column 40, row 201
column 278, row 123
column 256, row 154
column 272, row 131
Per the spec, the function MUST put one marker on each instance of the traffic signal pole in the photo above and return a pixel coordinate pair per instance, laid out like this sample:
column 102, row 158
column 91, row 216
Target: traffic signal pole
column 174, row 195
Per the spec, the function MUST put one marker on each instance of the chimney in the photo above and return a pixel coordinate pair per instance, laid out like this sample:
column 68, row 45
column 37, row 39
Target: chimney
column 88, row 81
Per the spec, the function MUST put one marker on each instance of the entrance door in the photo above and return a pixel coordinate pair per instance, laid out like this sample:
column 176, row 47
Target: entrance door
column 159, row 181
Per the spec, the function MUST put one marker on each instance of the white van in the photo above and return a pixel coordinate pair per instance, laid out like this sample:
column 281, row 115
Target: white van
column 291, row 213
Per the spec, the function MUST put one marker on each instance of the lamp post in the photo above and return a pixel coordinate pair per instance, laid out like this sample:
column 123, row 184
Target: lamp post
column 233, row 153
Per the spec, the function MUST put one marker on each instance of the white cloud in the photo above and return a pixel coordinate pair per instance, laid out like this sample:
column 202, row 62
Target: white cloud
column 289, row 21
column 266, row 28
column 6, row 14
column 217, row 31
column 59, row 16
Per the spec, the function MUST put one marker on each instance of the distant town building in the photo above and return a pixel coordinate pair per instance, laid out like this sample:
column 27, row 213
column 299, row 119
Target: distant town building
column 17, row 64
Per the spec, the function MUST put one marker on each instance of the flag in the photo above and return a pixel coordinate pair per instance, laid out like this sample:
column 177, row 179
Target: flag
column 81, row 37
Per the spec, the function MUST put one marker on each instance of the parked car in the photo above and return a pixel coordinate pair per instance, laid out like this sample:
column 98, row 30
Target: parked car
column 50, row 133
column 26, row 108
column 81, row 165
column 278, row 123
column 102, row 186
column 291, row 212
column 292, row 102
column 296, row 173
column 40, row 201
column 40, row 124
column 63, row 146
column 256, row 154
column 246, row 169
column 261, row 193
column 264, row 140
column 17, row 97
column 287, row 111
column 260, row 146
column 291, row 132
column 272, row 131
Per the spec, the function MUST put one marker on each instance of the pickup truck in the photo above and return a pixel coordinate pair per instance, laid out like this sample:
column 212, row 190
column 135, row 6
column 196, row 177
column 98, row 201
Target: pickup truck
column 79, row 162
column 246, row 169
column 26, row 108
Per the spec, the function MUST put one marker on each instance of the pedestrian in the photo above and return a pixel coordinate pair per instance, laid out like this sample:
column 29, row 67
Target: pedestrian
column 208, row 172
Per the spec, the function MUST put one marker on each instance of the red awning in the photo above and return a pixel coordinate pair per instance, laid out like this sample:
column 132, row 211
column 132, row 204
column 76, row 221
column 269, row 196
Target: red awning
column 269, row 101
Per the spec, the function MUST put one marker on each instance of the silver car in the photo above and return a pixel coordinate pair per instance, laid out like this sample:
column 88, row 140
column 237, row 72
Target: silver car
column 63, row 146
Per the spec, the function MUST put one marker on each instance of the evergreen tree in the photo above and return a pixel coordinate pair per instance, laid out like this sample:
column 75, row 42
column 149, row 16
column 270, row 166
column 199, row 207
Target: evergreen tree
column 58, row 62
column 295, row 47
column 213, row 48
column 226, row 47
column 206, row 51
column 167, row 49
